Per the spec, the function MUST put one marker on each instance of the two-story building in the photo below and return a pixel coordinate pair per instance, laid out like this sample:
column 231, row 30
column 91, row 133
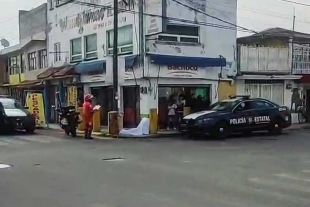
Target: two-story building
column 23, row 62
column 265, row 66
column 186, row 52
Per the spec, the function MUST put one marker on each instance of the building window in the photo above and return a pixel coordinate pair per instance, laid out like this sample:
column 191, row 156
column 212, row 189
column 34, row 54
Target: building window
column 179, row 33
column 76, row 50
column 22, row 63
column 51, row 4
column 61, row 2
column 125, row 40
column 57, row 52
column 43, row 59
column 13, row 65
column 272, row 92
column 32, row 60
column 91, row 46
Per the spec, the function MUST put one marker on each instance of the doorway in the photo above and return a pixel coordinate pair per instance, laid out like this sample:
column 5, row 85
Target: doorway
column 103, row 96
column 131, row 98
column 198, row 98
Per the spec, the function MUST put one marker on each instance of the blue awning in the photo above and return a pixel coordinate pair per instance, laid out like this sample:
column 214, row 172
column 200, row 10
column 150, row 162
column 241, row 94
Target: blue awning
column 91, row 66
column 130, row 61
column 187, row 61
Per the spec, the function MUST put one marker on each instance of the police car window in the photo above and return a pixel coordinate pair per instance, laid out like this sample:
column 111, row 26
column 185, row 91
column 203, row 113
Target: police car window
column 263, row 105
column 247, row 105
column 225, row 105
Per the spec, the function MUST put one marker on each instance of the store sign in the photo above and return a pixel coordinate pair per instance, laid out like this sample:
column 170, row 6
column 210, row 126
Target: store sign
column 91, row 16
column 181, row 72
column 34, row 102
column 72, row 96
column 154, row 21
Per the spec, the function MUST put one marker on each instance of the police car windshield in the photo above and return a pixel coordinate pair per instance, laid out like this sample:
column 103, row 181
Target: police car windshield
column 10, row 104
column 225, row 105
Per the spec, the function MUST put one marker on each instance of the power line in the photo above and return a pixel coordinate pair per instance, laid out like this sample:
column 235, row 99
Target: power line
column 4, row 21
column 169, row 18
column 295, row 2
column 278, row 15
column 213, row 17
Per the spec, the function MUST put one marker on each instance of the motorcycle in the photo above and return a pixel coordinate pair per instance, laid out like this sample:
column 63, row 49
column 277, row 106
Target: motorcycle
column 302, row 116
column 69, row 118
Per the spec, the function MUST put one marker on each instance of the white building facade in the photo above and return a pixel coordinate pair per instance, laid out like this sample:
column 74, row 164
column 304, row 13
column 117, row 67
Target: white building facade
column 186, row 51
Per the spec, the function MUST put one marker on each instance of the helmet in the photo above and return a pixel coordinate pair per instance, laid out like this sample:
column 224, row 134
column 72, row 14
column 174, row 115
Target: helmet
column 88, row 97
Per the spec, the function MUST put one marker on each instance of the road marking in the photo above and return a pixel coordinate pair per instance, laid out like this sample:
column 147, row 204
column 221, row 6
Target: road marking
column 306, row 171
column 271, row 183
column 3, row 143
column 284, row 175
column 33, row 139
column 3, row 166
column 13, row 141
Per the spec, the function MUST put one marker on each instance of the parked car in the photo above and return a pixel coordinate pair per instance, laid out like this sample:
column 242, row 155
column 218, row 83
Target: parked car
column 17, row 116
column 237, row 114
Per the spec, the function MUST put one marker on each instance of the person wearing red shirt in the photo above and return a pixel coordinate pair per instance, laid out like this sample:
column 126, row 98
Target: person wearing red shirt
column 88, row 112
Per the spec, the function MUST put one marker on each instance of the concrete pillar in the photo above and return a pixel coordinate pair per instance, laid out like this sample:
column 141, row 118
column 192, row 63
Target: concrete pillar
column 186, row 111
column 96, row 123
column 153, row 121
column 113, row 123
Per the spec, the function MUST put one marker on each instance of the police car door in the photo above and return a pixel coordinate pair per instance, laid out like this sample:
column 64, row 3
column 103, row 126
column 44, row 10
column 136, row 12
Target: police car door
column 242, row 116
column 263, row 113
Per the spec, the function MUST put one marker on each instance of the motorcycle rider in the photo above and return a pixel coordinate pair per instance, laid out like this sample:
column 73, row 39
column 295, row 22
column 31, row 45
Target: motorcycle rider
column 88, row 111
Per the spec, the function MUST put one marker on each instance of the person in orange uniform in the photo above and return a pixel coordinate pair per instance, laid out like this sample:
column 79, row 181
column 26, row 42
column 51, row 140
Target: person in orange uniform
column 88, row 111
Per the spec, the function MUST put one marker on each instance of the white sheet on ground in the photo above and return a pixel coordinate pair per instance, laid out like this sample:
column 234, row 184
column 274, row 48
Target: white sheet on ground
column 142, row 129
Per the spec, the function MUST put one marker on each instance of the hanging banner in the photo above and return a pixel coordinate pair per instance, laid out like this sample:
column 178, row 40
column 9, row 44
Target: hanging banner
column 34, row 102
column 72, row 96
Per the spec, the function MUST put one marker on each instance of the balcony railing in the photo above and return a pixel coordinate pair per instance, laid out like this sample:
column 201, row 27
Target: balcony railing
column 264, row 59
column 301, row 59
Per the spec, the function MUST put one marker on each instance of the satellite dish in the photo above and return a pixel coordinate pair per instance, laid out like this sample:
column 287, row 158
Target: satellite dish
column 5, row 43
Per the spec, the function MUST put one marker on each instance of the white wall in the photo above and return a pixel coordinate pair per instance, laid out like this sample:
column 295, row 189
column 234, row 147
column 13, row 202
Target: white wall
column 216, row 41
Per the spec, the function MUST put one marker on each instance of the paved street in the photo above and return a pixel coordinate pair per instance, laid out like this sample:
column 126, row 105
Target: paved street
column 52, row 171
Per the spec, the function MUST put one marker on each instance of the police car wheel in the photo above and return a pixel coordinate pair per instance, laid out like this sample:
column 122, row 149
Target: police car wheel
column 275, row 127
column 221, row 131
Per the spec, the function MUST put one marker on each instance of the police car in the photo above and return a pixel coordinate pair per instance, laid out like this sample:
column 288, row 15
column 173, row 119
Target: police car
column 237, row 114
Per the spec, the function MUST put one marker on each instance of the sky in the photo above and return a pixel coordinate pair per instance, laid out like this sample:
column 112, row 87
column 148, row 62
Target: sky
column 256, row 15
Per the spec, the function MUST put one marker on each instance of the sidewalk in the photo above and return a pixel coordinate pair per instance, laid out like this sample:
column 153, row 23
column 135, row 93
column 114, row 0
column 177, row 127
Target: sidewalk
column 166, row 133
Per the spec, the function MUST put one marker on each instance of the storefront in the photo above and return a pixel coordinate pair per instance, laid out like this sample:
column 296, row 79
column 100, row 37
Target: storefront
column 97, row 79
column 57, row 79
column 192, row 81
column 198, row 98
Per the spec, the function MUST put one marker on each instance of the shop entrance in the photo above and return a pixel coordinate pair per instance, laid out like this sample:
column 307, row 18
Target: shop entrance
column 103, row 97
column 131, row 100
column 198, row 98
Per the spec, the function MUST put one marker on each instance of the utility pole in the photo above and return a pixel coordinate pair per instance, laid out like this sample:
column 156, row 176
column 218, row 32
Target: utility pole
column 115, row 57
column 141, row 31
column 293, row 39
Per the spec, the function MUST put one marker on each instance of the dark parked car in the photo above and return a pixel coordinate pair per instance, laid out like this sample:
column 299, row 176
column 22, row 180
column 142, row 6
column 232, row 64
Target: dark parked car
column 17, row 116
column 238, row 114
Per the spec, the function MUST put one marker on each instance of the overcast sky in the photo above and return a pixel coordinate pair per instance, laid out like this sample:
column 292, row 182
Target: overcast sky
column 253, row 14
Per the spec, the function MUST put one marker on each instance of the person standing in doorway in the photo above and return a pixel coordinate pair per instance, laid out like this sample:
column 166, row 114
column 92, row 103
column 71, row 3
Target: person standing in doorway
column 180, row 108
column 171, row 115
column 88, row 112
